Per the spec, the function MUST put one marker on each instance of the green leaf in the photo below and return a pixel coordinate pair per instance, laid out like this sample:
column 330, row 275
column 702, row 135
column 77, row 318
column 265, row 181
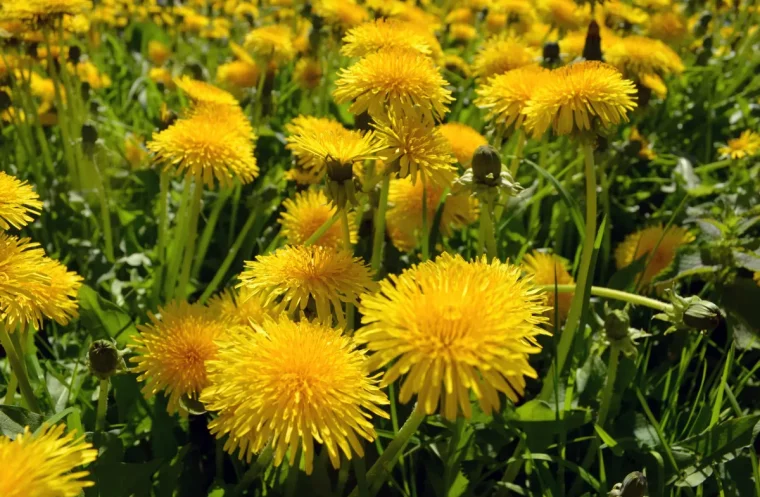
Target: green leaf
column 104, row 319
column 741, row 298
column 13, row 420
column 572, row 205
column 608, row 440
column 539, row 422
column 747, row 260
column 710, row 446
column 625, row 278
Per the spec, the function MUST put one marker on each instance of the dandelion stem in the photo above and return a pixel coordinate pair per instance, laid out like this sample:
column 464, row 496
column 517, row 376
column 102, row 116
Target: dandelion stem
column 322, row 230
column 350, row 310
column 262, row 461
column 208, row 231
column 487, row 232
column 515, row 165
column 100, row 414
column 609, row 387
column 425, row 225
column 27, row 392
column 162, row 226
column 192, row 234
column 10, row 392
column 600, row 291
column 379, row 236
column 382, row 468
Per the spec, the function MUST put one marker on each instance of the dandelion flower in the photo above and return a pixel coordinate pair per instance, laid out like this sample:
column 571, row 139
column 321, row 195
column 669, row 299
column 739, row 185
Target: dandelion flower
column 565, row 14
column 134, row 151
column 315, row 128
column 550, row 269
column 659, row 247
column 239, row 308
column 158, row 53
column 452, row 327
column 457, row 65
column 43, row 9
column 505, row 96
column 161, row 75
column 417, row 147
column 746, row 145
column 239, row 74
column 402, row 81
column 210, row 143
column 44, row 464
column 388, row 34
column 335, row 143
column 309, row 383
column 638, row 55
column 308, row 73
column 305, row 214
column 172, row 351
column 668, row 26
column 500, row 54
column 271, row 43
column 18, row 202
column 622, row 13
column 344, row 14
column 463, row 141
column 200, row 92
column 462, row 32
column 404, row 217
column 573, row 95
column 295, row 277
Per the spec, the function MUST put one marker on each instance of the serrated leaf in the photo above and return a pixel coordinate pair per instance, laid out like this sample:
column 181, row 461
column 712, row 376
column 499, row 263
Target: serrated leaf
column 747, row 260
column 712, row 228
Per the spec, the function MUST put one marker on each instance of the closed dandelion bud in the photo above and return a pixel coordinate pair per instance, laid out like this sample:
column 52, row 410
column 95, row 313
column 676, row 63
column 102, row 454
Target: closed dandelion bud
column 703, row 315
column 104, row 360
column 616, row 324
column 551, row 53
column 89, row 137
column 74, row 54
column 634, row 485
column 486, row 164
column 592, row 50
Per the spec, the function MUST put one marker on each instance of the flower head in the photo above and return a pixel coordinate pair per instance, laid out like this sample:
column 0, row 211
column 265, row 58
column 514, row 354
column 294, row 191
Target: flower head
column 658, row 245
column 344, row 14
column 452, row 327
column 550, row 269
column 308, row 73
column 214, row 141
column 417, row 147
column 565, row 14
column 404, row 217
column 18, row 202
column 200, row 92
column 238, row 74
column 384, row 34
column 505, row 96
column 43, row 10
column 638, row 55
column 310, row 128
column 239, row 308
column 405, row 81
column 306, row 213
column 44, row 464
column 273, row 43
column 500, row 54
column 746, row 145
column 158, row 53
column 172, row 351
column 668, row 26
column 463, row 141
column 296, row 277
column 572, row 96
column 310, row 383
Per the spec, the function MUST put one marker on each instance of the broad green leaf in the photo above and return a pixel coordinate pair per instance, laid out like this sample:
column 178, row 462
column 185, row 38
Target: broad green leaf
column 710, row 446
column 13, row 420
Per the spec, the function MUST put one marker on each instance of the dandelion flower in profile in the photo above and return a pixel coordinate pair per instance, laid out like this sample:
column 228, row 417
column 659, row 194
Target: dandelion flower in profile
column 200, row 92
column 306, row 213
column 296, row 277
column 238, row 74
column 505, row 96
column 659, row 247
column 636, row 56
column 573, row 96
column 43, row 9
column 417, row 147
column 212, row 142
column 385, row 34
column 500, row 54
column 271, row 43
column 746, row 145
column 289, row 384
column 404, row 217
column 239, row 308
column 18, row 202
column 463, row 141
column 44, row 464
column 550, row 269
column 313, row 127
column 172, row 351
column 343, row 14
column 158, row 53
column 451, row 327
column 400, row 80
column 565, row 14
column 55, row 296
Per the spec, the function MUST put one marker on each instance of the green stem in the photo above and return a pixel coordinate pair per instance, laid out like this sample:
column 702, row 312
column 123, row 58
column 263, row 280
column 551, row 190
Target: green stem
column 322, row 230
column 208, row 230
column 425, row 225
column 380, row 471
column 105, row 212
column 174, row 257
column 609, row 293
column 211, row 288
column 163, row 217
column 262, row 461
column 192, row 230
column 379, row 236
column 350, row 310
column 100, row 416
column 487, row 232
column 27, row 392
column 515, row 165
column 609, row 387
column 10, row 392
column 517, row 461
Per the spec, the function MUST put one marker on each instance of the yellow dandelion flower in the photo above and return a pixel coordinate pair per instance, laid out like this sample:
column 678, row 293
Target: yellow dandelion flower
column 332, row 144
column 408, row 12
column 519, row 15
column 457, row 65
column 746, row 145
column 306, row 213
column 241, row 54
column 550, row 269
column 292, row 278
column 617, row 12
column 668, row 26
column 44, row 464
column 415, row 146
column 639, row 55
column 463, row 141
column 89, row 73
column 462, row 32
column 654, row 83
column 645, row 150
column 387, row 34
column 239, row 308
column 201, row 92
column 452, row 327
column 238, row 74
column 56, row 295
column 308, row 73
column 659, row 247
column 158, row 53
column 573, row 95
column 310, row 383
column 271, row 43
column 172, row 351
column 43, row 9
column 18, row 202
column 565, row 14
column 500, row 54
column 345, row 14
column 459, row 15
column 505, row 96
column 161, row 75
column 404, row 216
column 135, row 152
column 402, row 81
column 303, row 126
column 212, row 142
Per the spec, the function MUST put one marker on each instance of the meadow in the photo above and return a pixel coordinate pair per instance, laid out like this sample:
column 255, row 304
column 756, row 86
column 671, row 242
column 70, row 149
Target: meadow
column 395, row 248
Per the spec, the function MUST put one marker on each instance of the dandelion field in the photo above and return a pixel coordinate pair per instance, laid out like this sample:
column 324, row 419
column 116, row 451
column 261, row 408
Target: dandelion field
column 379, row 248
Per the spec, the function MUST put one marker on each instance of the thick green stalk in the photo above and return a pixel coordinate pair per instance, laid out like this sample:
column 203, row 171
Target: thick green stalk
column 105, row 212
column 609, row 293
column 163, row 217
column 609, row 387
column 192, row 230
column 258, row 467
column 178, row 236
column 27, row 392
column 322, row 230
column 208, row 230
column 487, row 230
column 100, row 414
column 515, row 165
column 10, row 392
column 425, row 225
column 350, row 310
column 379, row 236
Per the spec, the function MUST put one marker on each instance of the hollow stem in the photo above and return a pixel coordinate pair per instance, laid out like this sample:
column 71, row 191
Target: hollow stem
column 100, row 414
column 192, row 234
column 322, row 230
column 208, row 231
column 262, row 461
column 163, row 217
column 425, row 225
column 350, row 310
column 27, row 392
column 609, row 293
column 379, row 236
column 515, row 165
column 609, row 387
column 487, row 232
column 10, row 391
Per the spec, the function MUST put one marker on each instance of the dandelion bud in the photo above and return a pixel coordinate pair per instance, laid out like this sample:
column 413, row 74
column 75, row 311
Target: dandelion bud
column 634, row 485
column 74, row 54
column 616, row 324
column 551, row 53
column 486, row 164
column 592, row 50
column 703, row 315
column 103, row 359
